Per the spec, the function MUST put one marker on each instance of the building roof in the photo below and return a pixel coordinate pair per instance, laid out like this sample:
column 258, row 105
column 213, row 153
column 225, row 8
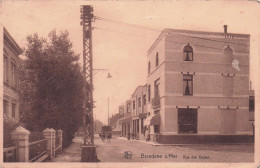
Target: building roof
column 138, row 87
column 11, row 42
column 198, row 34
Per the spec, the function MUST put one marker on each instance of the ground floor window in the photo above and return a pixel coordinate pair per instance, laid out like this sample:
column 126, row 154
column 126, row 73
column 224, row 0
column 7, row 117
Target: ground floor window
column 142, row 125
column 137, row 126
column 187, row 120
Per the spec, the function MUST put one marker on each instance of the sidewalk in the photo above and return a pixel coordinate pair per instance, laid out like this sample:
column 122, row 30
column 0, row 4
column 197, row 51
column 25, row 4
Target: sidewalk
column 142, row 141
column 70, row 154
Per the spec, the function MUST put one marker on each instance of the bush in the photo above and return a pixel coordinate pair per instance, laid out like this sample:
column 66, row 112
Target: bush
column 35, row 136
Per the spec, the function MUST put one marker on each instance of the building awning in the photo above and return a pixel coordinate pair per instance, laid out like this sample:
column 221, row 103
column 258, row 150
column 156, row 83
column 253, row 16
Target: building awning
column 153, row 120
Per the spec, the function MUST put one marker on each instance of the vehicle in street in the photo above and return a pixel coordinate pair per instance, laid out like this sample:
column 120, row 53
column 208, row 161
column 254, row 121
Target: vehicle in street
column 106, row 133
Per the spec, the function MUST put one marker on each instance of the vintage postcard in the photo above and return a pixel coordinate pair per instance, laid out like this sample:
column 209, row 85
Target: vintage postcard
column 129, row 83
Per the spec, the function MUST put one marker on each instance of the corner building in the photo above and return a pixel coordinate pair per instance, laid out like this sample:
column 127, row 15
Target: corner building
column 198, row 83
column 11, row 52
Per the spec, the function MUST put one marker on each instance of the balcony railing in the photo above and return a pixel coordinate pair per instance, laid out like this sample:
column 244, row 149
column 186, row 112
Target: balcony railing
column 156, row 102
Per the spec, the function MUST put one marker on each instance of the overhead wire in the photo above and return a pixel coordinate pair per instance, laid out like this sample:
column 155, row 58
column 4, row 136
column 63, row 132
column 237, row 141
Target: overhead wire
column 157, row 30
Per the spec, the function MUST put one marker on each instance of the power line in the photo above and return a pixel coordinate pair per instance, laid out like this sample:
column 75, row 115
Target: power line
column 157, row 30
column 115, row 31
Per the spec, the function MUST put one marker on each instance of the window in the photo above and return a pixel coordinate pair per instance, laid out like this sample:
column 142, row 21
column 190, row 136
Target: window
column 5, row 68
column 137, row 126
column 157, row 60
column 144, row 99
column 187, row 120
column 133, row 104
column 128, row 107
column 13, row 74
column 228, row 53
column 13, row 110
column 187, row 53
column 149, row 67
column 121, row 110
column 139, row 102
column 142, row 126
column 5, row 106
column 149, row 93
column 187, row 85
column 157, row 88
column 251, row 103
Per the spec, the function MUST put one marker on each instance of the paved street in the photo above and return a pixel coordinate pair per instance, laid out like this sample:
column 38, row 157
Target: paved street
column 114, row 151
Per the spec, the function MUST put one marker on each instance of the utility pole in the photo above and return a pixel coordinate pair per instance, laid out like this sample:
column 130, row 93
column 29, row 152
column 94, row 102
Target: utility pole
column 108, row 111
column 88, row 148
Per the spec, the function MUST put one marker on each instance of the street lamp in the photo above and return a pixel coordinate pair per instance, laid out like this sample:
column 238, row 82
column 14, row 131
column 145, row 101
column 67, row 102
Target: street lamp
column 108, row 76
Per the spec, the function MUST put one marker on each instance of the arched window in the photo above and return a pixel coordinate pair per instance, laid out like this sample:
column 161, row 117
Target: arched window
column 149, row 67
column 187, row 53
column 157, row 60
column 228, row 53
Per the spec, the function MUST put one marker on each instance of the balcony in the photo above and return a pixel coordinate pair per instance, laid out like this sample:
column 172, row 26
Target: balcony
column 156, row 102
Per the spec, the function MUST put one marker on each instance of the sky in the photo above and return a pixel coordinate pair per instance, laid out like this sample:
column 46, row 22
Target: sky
column 122, row 48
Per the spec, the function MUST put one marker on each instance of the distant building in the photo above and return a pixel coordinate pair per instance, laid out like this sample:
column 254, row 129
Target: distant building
column 125, row 118
column 11, row 52
column 139, row 111
column 198, row 84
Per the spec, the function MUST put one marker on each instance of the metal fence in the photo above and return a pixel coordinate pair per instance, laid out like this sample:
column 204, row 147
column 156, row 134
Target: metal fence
column 37, row 149
column 10, row 154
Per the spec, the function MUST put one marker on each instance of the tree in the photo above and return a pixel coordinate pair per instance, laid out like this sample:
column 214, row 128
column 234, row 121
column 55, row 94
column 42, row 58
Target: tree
column 51, row 83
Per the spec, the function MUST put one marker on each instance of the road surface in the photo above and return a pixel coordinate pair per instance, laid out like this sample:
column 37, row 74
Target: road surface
column 122, row 150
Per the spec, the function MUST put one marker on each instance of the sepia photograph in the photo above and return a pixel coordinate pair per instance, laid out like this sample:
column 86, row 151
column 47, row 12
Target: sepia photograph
column 129, row 83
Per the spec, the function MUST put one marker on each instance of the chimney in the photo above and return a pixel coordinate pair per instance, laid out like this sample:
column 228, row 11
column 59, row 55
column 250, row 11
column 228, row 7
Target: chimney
column 225, row 28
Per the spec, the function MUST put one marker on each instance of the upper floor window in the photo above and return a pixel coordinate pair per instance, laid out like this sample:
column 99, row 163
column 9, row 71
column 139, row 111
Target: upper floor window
column 121, row 110
column 13, row 66
column 228, row 53
column 251, row 103
column 187, row 53
column 157, row 60
column 149, row 67
column 187, row 85
column 133, row 104
column 149, row 93
column 144, row 99
column 5, row 68
column 139, row 102
column 5, row 106
column 128, row 107
column 157, row 88
column 13, row 110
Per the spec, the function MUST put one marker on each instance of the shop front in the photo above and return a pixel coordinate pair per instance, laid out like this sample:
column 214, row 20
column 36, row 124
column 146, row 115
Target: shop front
column 152, row 126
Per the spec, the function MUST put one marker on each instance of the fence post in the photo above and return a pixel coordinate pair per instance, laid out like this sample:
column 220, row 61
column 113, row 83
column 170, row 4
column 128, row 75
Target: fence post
column 47, row 133
column 60, row 137
column 21, row 136
column 53, row 141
